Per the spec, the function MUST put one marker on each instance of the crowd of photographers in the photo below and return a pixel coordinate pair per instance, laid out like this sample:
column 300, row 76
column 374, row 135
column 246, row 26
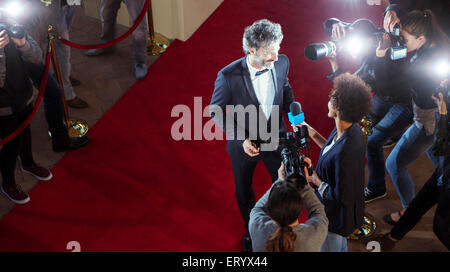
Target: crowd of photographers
column 23, row 43
column 409, row 106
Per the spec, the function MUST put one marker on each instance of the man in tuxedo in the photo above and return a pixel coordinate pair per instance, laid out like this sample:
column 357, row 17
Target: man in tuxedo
column 258, row 80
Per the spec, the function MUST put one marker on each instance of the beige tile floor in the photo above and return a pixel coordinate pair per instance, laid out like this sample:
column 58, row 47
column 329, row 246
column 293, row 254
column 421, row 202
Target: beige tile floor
column 104, row 80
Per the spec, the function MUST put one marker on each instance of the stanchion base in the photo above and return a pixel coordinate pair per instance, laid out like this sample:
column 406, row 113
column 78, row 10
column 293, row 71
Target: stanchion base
column 158, row 45
column 77, row 128
column 367, row 229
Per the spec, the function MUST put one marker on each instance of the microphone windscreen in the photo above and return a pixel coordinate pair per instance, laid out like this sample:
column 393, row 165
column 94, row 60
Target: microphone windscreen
column 295, row 108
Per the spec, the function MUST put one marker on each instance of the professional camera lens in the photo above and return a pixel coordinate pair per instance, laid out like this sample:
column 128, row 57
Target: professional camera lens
column 317, row 51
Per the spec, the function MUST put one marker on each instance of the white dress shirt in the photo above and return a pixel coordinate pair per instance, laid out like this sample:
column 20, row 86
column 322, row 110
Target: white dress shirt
column 264, row 88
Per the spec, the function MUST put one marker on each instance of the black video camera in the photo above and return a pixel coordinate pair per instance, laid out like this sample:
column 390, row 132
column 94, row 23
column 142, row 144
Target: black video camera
column 398, row 49
column 15, row 31
column 291, row 154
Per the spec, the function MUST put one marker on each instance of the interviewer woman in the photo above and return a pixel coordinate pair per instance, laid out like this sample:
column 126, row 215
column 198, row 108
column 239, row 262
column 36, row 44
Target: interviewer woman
column 339, row 175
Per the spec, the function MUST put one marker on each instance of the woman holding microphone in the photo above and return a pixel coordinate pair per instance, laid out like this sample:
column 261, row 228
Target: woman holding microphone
column 339, row 175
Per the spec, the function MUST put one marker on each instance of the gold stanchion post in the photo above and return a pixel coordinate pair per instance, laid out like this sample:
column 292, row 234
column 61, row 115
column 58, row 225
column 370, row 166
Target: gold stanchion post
column 369, row 225
column 76, row 127
column 157, row 43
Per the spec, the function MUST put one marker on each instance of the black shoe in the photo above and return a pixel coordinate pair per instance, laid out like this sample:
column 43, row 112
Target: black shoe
column 77, row 103
column 100, row 51
column 247, row 243
column 71, row 144
column 370, row 196
column 390, row 143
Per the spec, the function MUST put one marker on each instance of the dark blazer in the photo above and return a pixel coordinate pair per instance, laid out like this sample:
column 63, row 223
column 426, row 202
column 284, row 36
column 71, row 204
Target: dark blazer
column 342, row 167
column 234, row 87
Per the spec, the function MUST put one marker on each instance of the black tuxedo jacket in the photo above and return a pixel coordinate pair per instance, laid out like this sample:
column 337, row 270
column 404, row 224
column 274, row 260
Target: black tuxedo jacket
column 234, row 87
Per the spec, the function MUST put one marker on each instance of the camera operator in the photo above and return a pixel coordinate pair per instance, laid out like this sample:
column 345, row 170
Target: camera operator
column 435, row 191
column 274, row 225
column 392, row 108
column 16, row 97
column 426, row 43
column 339, row 176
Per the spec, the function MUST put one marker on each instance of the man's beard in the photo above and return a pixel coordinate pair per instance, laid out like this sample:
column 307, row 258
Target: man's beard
column 264, row 64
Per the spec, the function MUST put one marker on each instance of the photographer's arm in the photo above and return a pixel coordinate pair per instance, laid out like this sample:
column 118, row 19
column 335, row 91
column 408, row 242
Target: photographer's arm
column 30, row 50
column 259, row 219
column 441, row 146
column 316, row 212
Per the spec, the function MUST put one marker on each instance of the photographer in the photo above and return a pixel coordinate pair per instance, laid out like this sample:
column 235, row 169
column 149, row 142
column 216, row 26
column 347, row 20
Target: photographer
column 339, row 176
column 427, row 44
column 16, row 97
column 274, row 223
column 435, row 191
column 392, row 109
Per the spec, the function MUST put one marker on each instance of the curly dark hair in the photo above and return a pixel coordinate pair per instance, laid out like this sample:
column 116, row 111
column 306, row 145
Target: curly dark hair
column 261, row 33
column 351, row 97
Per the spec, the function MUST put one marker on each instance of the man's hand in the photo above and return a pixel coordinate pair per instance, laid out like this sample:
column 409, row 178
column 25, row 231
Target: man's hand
column 281, row 172
column 19, row 42
column 390, row 20
column 314, row 179
column 250, row 148
column 442, row 106
column 383, row 46
column 338, row 31
column 4, row 39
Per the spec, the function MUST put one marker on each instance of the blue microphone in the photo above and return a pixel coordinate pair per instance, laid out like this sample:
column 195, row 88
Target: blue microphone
column 296, row 116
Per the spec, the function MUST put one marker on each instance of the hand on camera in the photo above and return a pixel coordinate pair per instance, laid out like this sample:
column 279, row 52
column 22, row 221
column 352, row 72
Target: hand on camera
column 281, row 172
column 442, row 106
column 338, row 31
column 19, row 42
column 4, row 39
column 309, row 163
column 390, row 20
column 250, row 148
column 383, row 46
column 314, row 179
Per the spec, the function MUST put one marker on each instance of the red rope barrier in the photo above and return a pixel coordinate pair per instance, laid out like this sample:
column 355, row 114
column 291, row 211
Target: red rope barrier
column 36, row 106
column 112, row 42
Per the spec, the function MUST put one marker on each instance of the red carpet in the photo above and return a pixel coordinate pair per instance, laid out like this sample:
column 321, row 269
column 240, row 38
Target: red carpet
column 134, row 188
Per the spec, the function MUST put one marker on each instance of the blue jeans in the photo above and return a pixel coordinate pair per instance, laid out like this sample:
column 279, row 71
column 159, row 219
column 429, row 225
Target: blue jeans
column 108, row 13
column 388, row 120
column 413, row 143
column 334, row 243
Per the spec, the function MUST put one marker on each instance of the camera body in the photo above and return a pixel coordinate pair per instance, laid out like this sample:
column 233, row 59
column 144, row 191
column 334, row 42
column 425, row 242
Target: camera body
column 398, row 49
column 291, row 154
column 15, row 31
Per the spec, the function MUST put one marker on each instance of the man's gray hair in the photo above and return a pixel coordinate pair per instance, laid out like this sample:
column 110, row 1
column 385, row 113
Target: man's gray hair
column 261, row 33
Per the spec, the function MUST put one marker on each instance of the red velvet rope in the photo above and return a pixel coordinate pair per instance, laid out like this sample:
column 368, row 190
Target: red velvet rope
column 112, row 42
column 36, row 106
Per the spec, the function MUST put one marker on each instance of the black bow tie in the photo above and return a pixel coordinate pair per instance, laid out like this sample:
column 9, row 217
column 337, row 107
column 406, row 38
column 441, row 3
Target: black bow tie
column 261, row 72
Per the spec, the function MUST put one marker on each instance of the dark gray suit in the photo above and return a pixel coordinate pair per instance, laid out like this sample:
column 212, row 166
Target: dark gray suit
column 234, row 87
